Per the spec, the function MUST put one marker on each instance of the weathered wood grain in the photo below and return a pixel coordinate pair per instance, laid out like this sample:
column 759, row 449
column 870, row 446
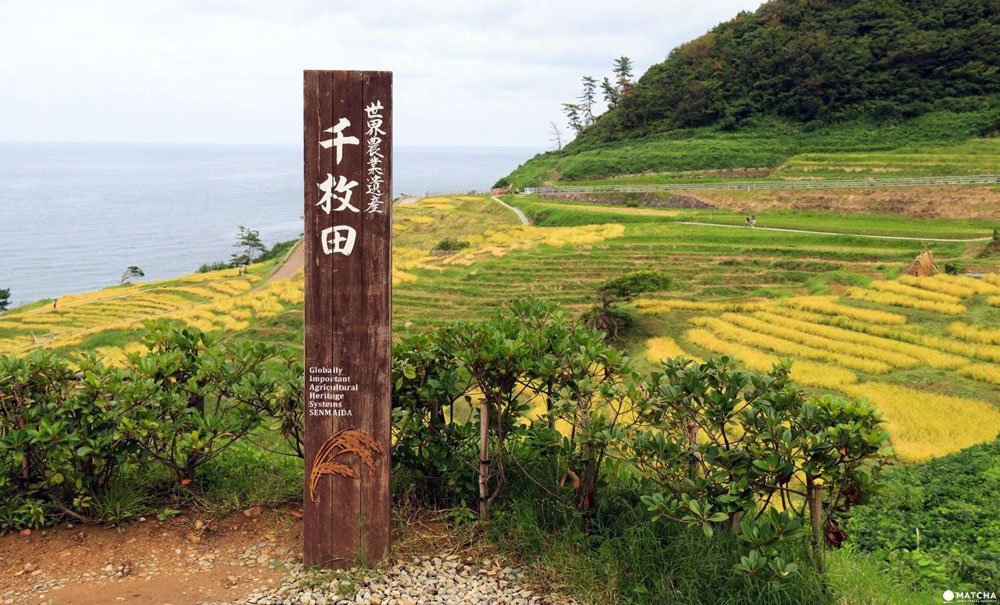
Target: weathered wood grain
column 347, row 313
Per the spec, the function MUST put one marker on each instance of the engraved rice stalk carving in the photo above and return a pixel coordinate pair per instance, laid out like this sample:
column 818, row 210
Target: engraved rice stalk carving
column 341, row 443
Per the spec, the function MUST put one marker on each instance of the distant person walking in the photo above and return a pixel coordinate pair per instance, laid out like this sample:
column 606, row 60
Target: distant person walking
column 753, row 220
column 748, row 221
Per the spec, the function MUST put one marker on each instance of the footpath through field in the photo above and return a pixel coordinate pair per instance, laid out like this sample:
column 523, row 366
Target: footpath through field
column 519, row 214
column 896, row 237
column 295, row 261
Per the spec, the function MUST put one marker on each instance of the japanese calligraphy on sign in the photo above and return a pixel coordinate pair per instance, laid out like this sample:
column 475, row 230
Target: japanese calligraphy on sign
column 340, row 239
column 348, row 279
column 374, row 134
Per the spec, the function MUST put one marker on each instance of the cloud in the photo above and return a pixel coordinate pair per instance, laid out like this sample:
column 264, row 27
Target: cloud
column 466, row 73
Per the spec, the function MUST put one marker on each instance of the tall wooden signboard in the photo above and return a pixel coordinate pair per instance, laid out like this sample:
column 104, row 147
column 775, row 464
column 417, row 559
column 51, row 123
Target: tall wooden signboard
column 348, row 280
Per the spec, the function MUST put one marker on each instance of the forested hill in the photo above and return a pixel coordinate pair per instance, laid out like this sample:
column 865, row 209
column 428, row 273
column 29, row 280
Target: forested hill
column 798, row 76
column 818, row 60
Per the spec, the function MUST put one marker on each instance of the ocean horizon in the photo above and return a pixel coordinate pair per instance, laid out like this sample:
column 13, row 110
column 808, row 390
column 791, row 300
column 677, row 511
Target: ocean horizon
column 75, row 215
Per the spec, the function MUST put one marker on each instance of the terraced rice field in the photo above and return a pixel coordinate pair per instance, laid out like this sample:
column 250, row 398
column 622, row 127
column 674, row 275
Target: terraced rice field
column 933, row 370
column 925, row 350
column 975, row 156
column 107, row 322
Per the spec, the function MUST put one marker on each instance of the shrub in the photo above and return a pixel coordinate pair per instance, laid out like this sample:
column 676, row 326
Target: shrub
column 59, row 439
column 937, row 518
column 275, row 251
column 722, row 445
column 217, row 266
column 71, row 440
column 431, row 446
column 210, row 395
column 448, row 245
column 531, row 371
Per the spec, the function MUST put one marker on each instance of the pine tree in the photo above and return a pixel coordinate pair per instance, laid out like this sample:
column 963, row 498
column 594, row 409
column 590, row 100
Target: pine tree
column 4, row 298
column 587, row 100
column 248, row 241
column 610, row 92
column 131, row 272
column 572, row 111
column 623, row 76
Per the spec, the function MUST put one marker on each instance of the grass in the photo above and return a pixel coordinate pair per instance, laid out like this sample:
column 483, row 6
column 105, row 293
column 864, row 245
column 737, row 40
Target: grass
column 623, row 557
column 945, row 512
column 245, row 475
column 935, row 143
column 620, row 556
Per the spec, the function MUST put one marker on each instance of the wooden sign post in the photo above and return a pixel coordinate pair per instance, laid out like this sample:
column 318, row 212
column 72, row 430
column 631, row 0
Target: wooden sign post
column 347, row 125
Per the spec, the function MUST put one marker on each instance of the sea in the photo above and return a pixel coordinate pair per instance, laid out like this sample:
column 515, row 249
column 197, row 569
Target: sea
column 74, row 216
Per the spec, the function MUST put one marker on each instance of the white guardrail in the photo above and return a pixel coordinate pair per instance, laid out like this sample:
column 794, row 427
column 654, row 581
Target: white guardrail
column 987, row 179
column 454, row 193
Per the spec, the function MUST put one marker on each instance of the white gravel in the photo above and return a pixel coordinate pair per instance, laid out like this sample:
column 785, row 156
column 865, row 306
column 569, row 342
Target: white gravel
column 440, row 579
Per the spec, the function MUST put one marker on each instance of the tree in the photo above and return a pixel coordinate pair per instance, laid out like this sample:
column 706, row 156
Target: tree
column 131, row 272
column 607, row 315
column 249, row 246
column 611, row 95
column 4, row 298
column 556, row 135
column 623, row 75
column 572, row 111
column 621, row 86
column 587, row 100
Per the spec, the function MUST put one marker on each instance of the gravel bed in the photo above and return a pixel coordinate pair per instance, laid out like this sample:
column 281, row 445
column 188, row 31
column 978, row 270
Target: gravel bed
column 441, row 579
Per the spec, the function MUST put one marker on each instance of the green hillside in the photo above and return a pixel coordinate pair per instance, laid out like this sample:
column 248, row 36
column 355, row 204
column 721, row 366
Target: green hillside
column 798, row 77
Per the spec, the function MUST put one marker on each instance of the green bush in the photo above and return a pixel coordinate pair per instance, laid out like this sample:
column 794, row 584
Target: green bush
column 449, row 245
column 59, row 440
column 69, row 439
column 938, row 518
column 528, row 347
column 710, row 444
column 209, row 395
column 432, row 448
column 276, row 251
column 723, row 445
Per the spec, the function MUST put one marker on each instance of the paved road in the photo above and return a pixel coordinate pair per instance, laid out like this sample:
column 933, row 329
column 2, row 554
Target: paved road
column 897, row 237
column 516, row 211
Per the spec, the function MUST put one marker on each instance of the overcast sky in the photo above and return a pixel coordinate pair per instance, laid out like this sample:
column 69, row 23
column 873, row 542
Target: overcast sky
column 467, row 72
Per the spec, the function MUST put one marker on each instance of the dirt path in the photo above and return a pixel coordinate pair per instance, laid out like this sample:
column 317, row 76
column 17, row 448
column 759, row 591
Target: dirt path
column 894, row 237
column 293, row 264
column 181, row 560
column 250, row 556
column 516, row 211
